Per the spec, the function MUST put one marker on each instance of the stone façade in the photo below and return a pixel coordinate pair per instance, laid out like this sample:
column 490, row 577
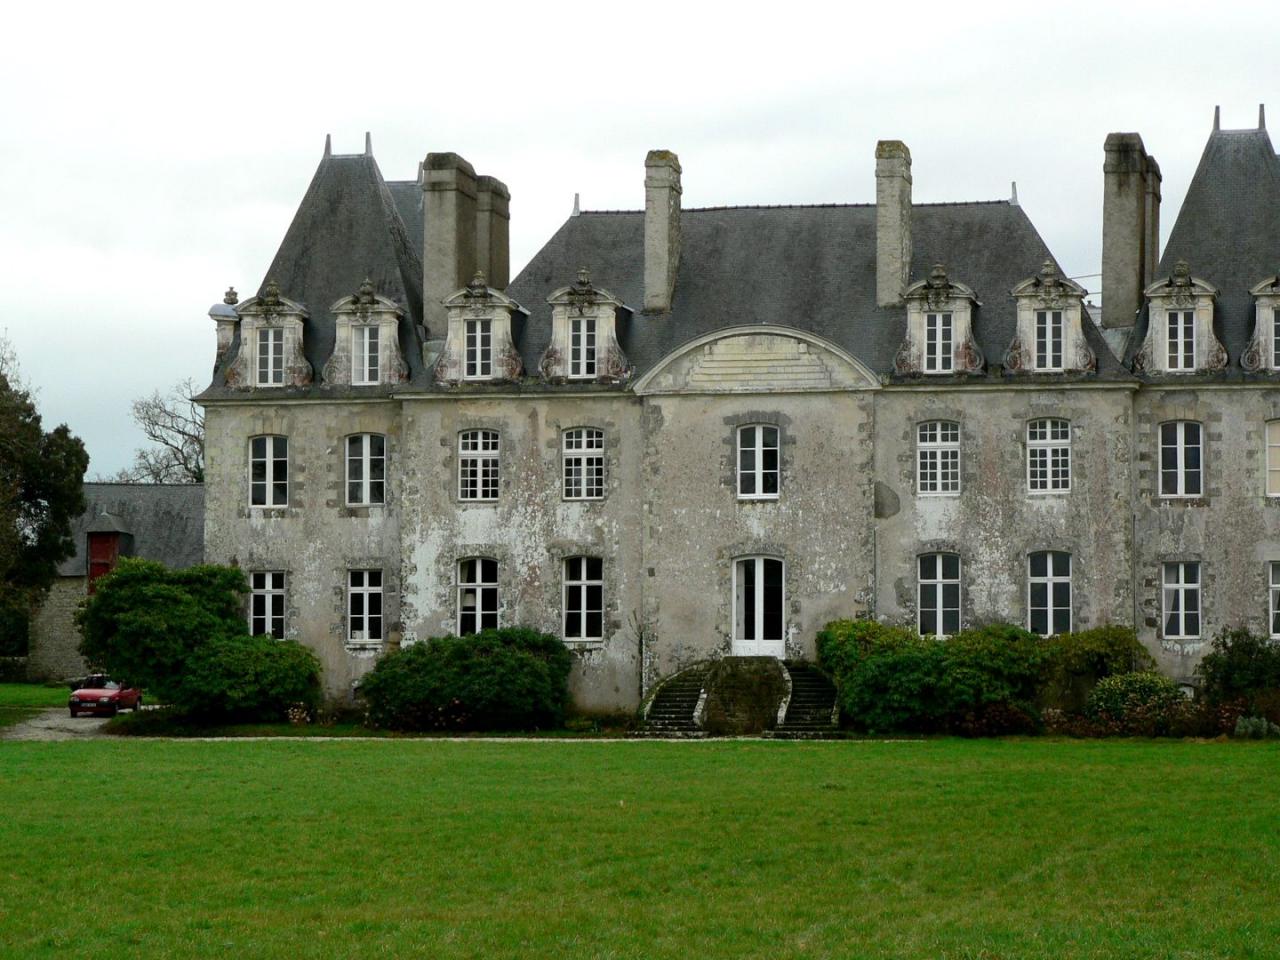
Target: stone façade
column 752, row 316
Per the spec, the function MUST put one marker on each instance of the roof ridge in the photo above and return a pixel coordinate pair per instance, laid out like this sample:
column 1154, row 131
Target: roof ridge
column 803, row 206
column 143, row 484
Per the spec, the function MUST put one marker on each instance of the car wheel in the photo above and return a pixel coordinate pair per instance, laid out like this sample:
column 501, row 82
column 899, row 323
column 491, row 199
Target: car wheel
column 137, row 704
column 74, row 713
column 115, row 709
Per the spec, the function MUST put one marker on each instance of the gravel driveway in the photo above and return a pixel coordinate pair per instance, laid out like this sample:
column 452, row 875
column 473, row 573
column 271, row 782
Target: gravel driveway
column 55, row 724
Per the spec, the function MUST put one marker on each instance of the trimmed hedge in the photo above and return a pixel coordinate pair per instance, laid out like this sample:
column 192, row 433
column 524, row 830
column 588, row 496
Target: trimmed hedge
column 1141, row 704
column 511, row 679
column 249, row 679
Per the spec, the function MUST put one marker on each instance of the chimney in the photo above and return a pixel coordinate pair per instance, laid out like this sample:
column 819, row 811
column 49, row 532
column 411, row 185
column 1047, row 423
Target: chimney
column 661, row 229
column 449, row 240
column 893, row 221
column 493, row 231
column 1130, row 227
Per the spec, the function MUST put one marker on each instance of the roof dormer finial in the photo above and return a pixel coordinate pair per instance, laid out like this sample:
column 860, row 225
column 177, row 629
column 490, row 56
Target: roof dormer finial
column 231, row 298
column 1262, row 116
column 368, row 144
column 328, row 145
column 1217, row 118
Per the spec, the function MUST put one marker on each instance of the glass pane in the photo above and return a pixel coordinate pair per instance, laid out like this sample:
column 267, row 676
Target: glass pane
column 951, row 596
column 928, row 620
column 929, row 566
column 748, row 571
column 1039, row 595
column 489, row 571
column 1039, row 564
column 772, row 600
column 950, row 622
column 1039, row 621
column 374, row 578
column 595, row 568
column 950, row 566
column 1062, row 621
column 1062, row 595
column 375, row 604
column 1061, row 564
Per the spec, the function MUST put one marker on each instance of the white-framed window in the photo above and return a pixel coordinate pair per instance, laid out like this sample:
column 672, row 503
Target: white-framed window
column 1181, row 471
column 1181, row 600
column 1275, row 339
column 758, row 473
column 939, row 338
column 477, row 595
column 366, row 469
column 270, row 356
column 582, row 347
column 479, row 359
column 584, row 464
column 478, row 465
column 938, row 593
column 1049, row 592
column 1182, row 339
column 938, row 458
column 1273, row 458
column 759, row 623
column 1048, row 455
column 364, row 355
column 583, row 598
column 1049, row 339
column 266, row 603
column 1273, row 568
column 364, row 606
column 269, row 471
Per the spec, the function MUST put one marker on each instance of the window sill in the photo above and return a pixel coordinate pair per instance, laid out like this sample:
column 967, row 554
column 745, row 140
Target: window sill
column 1049, row 493
column 763, row 499
column 584, row 644
column 363, row 646
column 584, row 499
column 939, row 496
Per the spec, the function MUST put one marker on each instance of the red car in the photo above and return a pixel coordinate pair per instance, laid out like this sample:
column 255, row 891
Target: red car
column 101, row 694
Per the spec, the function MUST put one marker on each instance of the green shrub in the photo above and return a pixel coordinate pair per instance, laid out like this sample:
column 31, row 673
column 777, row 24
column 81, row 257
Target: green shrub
column 1075, row 662
column 1255, row 728
column 15, row 623
column 249, row 679
column 1141, row 704
column 144, row 621
column 981, row 681
column 1243, row 667
column 513, row 679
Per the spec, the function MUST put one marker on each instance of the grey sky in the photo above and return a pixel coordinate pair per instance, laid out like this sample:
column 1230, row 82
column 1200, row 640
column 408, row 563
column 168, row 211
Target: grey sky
column 155, row 154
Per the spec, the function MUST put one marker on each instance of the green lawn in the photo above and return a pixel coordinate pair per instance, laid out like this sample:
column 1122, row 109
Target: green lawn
column 398, row 848
column 18, row 701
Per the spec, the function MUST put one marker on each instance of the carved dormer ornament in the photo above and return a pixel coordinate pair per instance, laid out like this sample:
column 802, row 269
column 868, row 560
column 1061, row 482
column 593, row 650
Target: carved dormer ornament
column 939, row 328
column 584, row 336
column 480, row 343
column 1049, row 336
column 366, row 341
column 1180, row 337
column 1263, row 352
column 271, row 342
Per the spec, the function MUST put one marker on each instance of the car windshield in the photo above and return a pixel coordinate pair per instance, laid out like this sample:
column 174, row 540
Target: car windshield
column 99, row 683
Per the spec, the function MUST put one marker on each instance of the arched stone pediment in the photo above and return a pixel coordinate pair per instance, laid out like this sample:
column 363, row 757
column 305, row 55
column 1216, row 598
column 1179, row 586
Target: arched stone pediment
column 761, row 358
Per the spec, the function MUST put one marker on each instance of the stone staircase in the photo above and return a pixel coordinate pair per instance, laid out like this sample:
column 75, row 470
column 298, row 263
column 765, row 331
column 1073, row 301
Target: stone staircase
column 671, row 714
column 811, row 711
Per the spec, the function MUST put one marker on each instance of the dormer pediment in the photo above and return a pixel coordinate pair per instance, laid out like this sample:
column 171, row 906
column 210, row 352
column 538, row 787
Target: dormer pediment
column 480, row 343
column 1180, row 337
column 584, row 335
column 939, row 339
column 1050, row 326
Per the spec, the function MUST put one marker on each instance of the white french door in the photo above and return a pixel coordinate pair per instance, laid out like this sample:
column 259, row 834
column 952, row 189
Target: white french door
column 759, row 623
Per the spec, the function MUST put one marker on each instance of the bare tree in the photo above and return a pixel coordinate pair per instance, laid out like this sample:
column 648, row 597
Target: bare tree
column 174, row 423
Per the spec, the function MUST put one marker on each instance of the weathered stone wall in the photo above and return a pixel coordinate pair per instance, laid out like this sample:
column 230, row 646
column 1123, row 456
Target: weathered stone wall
column 530, row 529
column 55, row 638
column 995, row 522
column 317, row 538
column 1233, row 530
column 695, row 525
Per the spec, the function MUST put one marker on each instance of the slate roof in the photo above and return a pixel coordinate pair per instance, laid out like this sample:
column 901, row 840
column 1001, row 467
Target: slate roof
column 1228, row 231
column 349, row 226
column 811, row 267
column 165, row 520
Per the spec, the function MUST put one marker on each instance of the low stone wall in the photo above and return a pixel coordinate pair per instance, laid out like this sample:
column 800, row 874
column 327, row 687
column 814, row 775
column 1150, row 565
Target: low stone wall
column 53, row 653
column 743, row 695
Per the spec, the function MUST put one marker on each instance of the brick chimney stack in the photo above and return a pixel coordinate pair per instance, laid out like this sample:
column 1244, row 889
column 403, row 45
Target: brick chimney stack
column 661, row 229
column 449, row 241
column 493, row 231
column 893, row 221
column 1130, row 227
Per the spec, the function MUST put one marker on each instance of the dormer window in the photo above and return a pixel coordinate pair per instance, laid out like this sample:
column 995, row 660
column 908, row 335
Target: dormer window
column 366, row 347
column 479, row 349
column 364, row 355
column 582, row 347
column 1049, row 337
column 1275, row 338
column 270, row 357
column 938, row 343
column 1263, row 351
column 584, row 335
column 1049, row 340
column 1181, row 339
column 939, row 338
column 480, row 343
